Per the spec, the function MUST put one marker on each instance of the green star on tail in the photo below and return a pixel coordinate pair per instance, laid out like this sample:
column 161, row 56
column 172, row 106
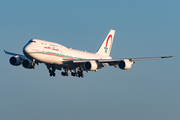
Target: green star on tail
column 105, row 48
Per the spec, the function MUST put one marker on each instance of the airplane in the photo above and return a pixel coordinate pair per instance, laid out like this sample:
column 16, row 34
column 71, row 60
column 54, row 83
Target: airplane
column 58, row 57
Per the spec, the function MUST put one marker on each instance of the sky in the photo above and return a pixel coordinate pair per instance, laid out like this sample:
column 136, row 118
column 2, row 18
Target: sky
column 147, row 91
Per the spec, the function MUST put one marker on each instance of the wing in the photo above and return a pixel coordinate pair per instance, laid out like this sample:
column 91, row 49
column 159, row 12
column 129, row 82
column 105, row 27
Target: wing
column 114, row 60
column 124, row 63
column 15, row 54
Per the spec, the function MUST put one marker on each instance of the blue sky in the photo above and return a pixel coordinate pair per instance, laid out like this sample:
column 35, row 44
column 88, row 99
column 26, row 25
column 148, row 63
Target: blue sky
column 149, row 90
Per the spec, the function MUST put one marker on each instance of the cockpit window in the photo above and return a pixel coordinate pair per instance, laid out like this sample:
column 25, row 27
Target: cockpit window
column 32, row 41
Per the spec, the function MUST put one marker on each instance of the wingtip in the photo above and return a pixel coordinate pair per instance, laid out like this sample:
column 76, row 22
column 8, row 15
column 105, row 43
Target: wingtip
column 174, row 56
column 169, row 56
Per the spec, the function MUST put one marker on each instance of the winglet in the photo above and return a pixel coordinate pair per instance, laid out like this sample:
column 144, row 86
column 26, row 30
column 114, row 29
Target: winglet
column 6, row 52
column 169, row 56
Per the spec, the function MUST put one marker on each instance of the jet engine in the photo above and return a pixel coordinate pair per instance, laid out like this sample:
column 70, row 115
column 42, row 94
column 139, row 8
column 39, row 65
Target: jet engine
column 125, row 64
column 90, row 65
column 15, row 60
column 27, row 64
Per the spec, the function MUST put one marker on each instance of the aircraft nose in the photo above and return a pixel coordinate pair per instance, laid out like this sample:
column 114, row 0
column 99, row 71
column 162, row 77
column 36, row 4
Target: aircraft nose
column 26, row 50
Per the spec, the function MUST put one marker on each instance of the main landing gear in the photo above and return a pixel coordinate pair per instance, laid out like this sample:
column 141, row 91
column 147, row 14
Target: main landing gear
column 74, row 72
column 79, row 73
column 64, row 73
column 51, row 71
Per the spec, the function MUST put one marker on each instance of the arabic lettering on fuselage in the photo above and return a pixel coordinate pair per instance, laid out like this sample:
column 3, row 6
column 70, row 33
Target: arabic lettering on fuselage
column 51, row 48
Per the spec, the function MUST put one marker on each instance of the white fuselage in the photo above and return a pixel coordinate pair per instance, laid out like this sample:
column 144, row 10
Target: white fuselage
column 53, row 53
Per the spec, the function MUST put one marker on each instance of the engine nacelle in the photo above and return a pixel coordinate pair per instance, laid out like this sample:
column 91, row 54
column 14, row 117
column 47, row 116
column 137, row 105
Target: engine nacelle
column 125, row 64
column 90, row 65
column 27, row 64
column 15, row 60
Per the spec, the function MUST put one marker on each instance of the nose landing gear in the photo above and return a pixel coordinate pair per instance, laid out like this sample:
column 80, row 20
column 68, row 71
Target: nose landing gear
column 51, row 71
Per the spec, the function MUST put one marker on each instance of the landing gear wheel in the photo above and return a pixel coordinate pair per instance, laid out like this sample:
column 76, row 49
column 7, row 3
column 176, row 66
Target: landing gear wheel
column 73, row 74
column 51, row 73
column 66, row 73
column 62, row 73
column 82, row 75
column 79, row 75
column 54, row 74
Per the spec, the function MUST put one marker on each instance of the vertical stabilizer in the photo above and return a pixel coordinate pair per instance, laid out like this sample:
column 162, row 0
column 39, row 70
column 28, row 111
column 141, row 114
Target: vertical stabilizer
column 105, row 47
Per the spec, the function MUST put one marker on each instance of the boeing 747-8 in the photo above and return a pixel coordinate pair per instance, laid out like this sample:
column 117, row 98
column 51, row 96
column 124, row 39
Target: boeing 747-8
column 58, row 57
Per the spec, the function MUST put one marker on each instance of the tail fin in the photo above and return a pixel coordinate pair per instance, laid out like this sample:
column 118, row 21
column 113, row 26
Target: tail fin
column 105, row 47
